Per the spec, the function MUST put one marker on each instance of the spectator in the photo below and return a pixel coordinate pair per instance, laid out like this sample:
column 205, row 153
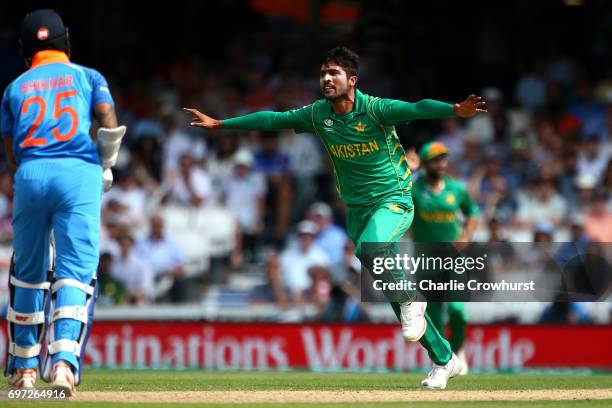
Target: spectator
column 495, row 233
column 583, row 197
column 130, row 195
column 118, row 217
column 297, row 260
column 145, row 153
column 562, row 311
column 598, row 221
column 273, row 290
column 471, row 159
column 220, row 163
column 306, row 165
column 452, row 136
column 133, row 273
column 530, row 90
column 577, row 244
column 541, row 204
column 568, row 186
column 321, row 286
column 275, row 166
column 244, row 194
column 177, row 141
column 500, row 252
column 270, row 160
column 164, row 257
column 349, row 267
column 593, row 159
column 560, row 68
column 344, row 303
column 487, row 177
column 543, row 232
column 494, row 126
column 191, row 187
column 521, row 162
column 547, row 141
column 343, row 306
column 591, row 113
column 330, row 238
column 555, row 110
column 498, row 202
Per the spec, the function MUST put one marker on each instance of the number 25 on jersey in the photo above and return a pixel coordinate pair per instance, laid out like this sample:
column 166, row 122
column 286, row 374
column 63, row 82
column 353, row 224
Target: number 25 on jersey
column 31, row 140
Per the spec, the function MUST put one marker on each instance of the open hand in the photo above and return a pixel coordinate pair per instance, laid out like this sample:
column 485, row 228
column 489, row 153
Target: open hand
column 470, row 107
column 201, row 120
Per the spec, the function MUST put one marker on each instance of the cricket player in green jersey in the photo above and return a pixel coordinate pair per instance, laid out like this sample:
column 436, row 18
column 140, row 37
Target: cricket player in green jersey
column 372, row 175
column 438, row 199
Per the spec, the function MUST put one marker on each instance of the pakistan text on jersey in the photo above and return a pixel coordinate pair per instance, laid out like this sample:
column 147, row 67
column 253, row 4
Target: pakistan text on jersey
column 437, row 216
column 47, row 84
column 352, row 150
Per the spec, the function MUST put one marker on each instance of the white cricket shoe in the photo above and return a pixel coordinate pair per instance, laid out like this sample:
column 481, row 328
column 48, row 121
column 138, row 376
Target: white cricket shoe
column 439, row 375
column 465, row 368
column 22, row 378
column 413, row 320
column 62, row 379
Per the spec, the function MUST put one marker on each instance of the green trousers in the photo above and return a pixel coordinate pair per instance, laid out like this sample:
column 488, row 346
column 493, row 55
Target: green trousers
column 457, row 320
column 387, row 222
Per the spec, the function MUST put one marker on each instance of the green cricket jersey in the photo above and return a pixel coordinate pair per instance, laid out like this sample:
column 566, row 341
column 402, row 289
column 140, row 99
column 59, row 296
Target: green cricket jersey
column 369, row 161
column 435, row 214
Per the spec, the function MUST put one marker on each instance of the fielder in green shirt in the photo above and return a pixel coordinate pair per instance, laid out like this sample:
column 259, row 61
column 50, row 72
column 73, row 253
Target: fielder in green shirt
column 438, row 200
column 371, row 172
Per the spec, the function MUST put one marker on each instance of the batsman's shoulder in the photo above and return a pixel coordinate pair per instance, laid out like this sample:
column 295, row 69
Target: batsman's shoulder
column 7, row 91
column 93, row 75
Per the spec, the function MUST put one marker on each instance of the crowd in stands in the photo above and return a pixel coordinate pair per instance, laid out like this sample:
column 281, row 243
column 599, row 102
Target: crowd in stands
column 189, row 207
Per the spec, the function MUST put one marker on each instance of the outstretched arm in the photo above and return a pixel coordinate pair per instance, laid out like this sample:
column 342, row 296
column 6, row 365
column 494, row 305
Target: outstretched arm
column 298, row 119
column 393, row 112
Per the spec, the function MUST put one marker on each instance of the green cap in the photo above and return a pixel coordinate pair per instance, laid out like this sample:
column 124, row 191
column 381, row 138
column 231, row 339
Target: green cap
column 432, row 149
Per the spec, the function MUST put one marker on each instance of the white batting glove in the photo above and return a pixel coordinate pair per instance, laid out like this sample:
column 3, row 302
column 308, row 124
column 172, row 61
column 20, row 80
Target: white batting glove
column 107, row 180
column 109, row 142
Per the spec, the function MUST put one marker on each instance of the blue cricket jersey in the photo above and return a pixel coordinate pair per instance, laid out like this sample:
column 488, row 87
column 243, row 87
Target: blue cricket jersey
column 48, row 109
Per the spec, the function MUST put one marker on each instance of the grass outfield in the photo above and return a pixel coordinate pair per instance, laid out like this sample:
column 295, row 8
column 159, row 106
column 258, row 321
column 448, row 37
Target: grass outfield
column 296, row 389
column 209, row 381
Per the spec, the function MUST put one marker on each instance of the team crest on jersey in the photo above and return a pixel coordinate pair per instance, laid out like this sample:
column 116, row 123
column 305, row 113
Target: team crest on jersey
column 328, row 122
column 450, row 199
column 42, row 34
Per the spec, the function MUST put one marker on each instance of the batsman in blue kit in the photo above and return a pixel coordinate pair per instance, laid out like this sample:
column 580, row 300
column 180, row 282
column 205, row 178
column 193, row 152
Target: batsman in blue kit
column 61, row 172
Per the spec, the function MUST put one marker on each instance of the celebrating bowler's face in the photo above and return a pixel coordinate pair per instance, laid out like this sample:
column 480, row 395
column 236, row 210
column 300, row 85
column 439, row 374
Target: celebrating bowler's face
column 334, row 81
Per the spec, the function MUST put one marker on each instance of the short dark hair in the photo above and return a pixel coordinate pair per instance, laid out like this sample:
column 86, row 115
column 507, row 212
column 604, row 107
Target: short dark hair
column 345, row 57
